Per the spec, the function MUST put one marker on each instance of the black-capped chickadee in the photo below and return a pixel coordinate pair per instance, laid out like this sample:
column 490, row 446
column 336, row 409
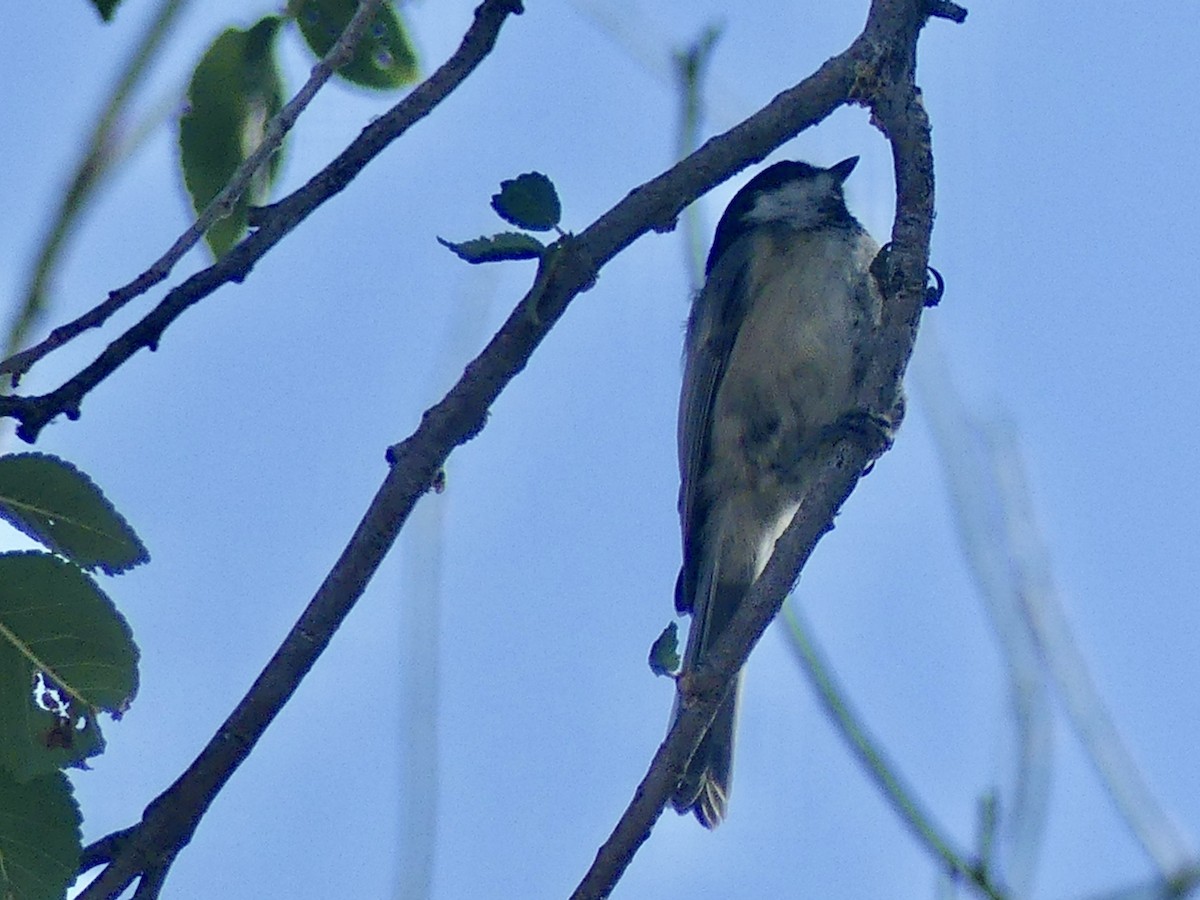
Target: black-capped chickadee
column 777, row 343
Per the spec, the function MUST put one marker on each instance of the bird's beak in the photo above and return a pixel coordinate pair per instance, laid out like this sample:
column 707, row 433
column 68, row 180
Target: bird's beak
column 842, row 170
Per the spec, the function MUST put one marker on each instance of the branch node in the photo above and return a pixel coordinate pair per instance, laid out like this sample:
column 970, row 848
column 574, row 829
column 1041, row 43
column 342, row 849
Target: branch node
column 395, row 454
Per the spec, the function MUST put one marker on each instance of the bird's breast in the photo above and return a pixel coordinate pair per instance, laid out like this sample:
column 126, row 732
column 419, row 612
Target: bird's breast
column 800, row 332
column 792, row 369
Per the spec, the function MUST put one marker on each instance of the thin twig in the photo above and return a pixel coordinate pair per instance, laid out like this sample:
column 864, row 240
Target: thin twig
column 149, row 848
column 275, row 222
column 273, row 134
column 95, row 163
column 944, row 9
column 691, row 64
column 1011, row 563
column 702, row 690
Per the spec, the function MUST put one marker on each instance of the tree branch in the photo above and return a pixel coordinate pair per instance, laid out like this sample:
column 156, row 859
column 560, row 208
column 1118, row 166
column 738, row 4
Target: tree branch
column 878, row 70
column 99, row 852
column 653, row 206
column 273, row 134
column 702, row 689
column 93, row 166
column 275, row 222
column 148, row 849
column 570, row 267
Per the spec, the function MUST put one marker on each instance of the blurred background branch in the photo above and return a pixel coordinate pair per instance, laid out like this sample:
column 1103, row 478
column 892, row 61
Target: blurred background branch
column 996, row 523
column 875, row 760
column 103, row 149
column 273, row 134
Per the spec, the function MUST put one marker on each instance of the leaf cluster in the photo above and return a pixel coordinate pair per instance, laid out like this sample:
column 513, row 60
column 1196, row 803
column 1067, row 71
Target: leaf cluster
column 66, row 655
column 237, row 87
column 528, row 201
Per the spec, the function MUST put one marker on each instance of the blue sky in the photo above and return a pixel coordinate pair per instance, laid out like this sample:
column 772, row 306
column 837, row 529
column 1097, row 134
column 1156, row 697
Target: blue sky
column 245, row 450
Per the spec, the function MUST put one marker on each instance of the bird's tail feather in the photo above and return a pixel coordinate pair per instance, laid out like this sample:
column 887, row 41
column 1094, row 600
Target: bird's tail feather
column 704, row 788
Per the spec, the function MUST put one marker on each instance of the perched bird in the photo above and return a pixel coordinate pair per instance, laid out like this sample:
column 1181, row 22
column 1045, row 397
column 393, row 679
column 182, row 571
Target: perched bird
column 776, row 347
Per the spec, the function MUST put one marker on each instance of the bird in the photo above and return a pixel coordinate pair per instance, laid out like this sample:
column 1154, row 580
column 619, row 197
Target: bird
column 776, row 346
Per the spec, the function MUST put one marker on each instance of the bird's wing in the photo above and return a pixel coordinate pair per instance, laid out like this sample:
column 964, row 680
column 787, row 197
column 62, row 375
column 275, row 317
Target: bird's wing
column 712, row 332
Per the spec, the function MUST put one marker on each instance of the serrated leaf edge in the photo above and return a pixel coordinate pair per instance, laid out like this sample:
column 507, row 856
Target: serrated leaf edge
column 141, row 554
column 39, row 664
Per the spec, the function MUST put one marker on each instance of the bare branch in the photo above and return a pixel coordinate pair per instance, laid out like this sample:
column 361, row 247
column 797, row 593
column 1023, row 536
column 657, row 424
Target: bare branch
column 148, row 849
column 878, row 70
column 570, row 267
column 702, row 690
column 276, row 129
column 104, row 850
column 275, row 223
column 95, row 163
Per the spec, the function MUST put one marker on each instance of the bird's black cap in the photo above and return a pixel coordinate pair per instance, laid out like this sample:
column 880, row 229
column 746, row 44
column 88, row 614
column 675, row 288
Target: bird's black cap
column 732, row 224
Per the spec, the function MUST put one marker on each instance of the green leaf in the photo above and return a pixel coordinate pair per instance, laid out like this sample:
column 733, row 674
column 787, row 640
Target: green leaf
column 664, row 652
column 106, row 9
column 528, row 201
column 384, row 58
column 54, row 503
column 39, row 837
column 66, row 655
column 235, row 90
column 498, row 247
